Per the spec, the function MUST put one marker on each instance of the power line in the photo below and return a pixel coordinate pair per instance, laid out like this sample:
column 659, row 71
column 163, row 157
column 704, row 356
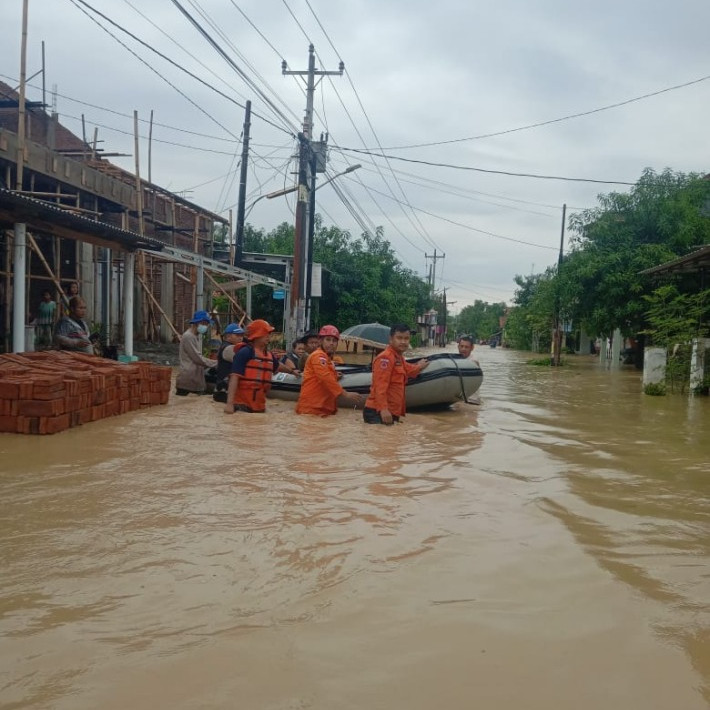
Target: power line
column 552, row 120
column 363, row 151
column 470, row 228
column 216, row 27
column 215, row 45
column 170, row 61
column 140, row 59
column 127, row 115
column 462, row 193
column 155, row 140
column 419, row 227
column 184, row 49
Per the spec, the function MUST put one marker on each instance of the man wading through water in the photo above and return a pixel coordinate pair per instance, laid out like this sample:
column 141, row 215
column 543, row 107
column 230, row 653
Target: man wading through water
column 252, row 368
column 390, row 372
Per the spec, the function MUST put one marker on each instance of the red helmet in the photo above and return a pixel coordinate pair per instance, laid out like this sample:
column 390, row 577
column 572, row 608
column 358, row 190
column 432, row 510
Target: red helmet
column 329, row 330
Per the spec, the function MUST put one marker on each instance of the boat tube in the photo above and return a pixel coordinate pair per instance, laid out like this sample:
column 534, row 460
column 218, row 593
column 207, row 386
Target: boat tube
column 449, row 378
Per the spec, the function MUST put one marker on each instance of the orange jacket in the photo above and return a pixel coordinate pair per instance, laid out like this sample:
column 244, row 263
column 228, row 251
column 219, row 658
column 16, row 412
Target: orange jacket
column 390, row 372
column 255, row 382
column 319, row 388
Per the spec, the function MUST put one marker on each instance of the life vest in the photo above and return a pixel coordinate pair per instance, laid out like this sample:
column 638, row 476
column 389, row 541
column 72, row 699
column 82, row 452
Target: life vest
column 255, row 382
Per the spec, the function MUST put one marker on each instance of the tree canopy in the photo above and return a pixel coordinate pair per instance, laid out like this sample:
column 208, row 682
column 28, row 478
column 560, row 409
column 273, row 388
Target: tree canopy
column 599, row 286
column 363, row 281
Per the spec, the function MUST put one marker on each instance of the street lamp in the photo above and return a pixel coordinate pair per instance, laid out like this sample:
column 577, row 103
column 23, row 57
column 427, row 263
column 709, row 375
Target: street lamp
column 293, row 188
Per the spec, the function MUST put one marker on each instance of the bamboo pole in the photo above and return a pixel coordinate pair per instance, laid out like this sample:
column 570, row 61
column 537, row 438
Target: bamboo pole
column 35, row 247
column 157, row 305
column 231, row 300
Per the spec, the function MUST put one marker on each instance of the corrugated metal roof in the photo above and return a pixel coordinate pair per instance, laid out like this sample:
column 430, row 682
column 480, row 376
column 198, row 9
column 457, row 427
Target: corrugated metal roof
column 695, row 261
column 48, row 218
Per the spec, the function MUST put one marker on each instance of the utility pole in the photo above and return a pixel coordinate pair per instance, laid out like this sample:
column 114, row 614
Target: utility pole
column 311, row 234
column 239, row 248
column 557, row 333
column 449, row 304
column 21, row 111
column 435, row 257
column 301, row 261
column 442, row 341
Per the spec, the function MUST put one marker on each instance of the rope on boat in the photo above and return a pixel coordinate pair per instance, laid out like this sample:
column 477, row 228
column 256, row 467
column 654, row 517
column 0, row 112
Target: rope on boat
column 458, row 372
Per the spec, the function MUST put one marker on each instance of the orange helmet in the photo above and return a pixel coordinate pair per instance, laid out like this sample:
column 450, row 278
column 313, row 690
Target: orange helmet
column 329, row 330
column 258, row 328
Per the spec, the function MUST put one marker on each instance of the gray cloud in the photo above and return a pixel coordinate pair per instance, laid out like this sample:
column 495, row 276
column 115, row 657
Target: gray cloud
column 424, row 72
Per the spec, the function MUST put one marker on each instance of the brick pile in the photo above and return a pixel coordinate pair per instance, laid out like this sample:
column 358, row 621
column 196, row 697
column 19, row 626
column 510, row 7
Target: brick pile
column 47, row 392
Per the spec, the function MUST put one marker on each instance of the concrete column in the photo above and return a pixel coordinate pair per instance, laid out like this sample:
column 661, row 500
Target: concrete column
column 249, row 298
column 616, row 343
column 106, row 295
column 167, row 299
column 654, row 366
column 19, row 282
column 200, row 288
column 699, row 361
column 87, row 280
column 129, row 270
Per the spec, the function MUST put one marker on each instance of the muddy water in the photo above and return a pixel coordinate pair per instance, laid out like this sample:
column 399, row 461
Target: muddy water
column 547, row 549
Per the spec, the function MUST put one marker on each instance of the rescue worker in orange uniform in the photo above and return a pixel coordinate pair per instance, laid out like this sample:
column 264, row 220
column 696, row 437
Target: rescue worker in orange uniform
column 390, row 372
column 320, row 388
column 252, row 368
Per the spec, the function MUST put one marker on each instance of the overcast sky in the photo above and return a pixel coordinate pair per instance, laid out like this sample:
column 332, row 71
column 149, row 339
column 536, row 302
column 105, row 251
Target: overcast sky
column 416, row 72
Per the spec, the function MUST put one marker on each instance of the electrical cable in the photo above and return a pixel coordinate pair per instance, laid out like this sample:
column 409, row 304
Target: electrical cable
column 170, row 61
column 155, row 140
column 209, row 39
column 460, row 193
column 127, row 115
column 140, row 59
column 618, row 104
column 183, row 49
column 216, row 27
column 484, row 170
column 421, row 229
column 469, row 227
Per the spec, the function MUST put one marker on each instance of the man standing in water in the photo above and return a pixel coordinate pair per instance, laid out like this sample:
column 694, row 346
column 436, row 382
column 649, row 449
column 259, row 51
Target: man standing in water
column 252, row 369
column 232, row 338
column 191, row 376
column 390, row 372
column 320, row 388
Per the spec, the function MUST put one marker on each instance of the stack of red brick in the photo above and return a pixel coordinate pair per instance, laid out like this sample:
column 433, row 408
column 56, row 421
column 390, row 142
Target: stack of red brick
column 47, row 392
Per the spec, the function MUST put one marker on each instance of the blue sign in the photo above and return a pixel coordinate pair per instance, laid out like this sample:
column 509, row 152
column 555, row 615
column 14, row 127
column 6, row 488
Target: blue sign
column 279, row 294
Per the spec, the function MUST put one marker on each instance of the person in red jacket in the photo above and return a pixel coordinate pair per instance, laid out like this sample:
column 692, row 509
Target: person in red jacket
column 320, row 388
column 390, row 372
column 252, row 367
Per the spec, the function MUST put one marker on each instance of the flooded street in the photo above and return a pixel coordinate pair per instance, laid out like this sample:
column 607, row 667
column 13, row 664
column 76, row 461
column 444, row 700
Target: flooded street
column 546, row 549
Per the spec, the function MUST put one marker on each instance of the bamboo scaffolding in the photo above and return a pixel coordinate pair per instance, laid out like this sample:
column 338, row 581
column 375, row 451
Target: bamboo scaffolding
column 231, row 300
column 157, row 305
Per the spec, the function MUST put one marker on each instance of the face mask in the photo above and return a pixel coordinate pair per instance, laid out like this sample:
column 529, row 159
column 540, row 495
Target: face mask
column 201, row 329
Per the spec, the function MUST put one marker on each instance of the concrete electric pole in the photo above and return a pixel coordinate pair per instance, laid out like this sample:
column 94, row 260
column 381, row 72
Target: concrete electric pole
column 301, row 265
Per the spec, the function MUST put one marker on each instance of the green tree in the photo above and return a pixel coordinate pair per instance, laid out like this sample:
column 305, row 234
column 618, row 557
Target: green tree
column 363, row 281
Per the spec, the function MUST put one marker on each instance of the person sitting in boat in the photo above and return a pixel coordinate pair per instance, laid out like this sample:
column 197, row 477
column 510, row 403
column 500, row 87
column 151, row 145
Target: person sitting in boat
column 72, row 331
column 291, row 359
column 311, row 342
column 191, row 375
column 320, row 388
column 252, row 368
column 466, row 346
column 390, row 372
column 232, row 340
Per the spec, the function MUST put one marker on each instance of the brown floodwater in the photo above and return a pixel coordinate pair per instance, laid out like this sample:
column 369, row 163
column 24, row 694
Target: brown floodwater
column 549, row 548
